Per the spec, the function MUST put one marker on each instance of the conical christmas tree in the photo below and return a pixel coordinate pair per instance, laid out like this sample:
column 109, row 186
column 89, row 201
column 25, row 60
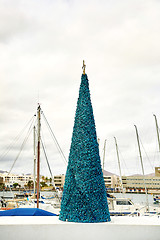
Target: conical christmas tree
column 84, row 196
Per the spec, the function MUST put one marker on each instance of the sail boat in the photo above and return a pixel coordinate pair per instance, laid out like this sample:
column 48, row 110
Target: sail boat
column 52, row 204
column 156, row 198
column 23, row 228
column 123, row 206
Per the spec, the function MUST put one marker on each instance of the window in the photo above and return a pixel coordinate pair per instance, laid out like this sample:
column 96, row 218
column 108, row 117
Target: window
column 123, row 202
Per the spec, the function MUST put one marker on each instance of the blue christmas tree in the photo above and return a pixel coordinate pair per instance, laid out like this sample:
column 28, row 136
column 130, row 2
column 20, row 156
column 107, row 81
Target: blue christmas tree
column 84, row 196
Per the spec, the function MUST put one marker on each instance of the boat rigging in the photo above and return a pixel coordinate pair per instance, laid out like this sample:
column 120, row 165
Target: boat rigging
column 37, row 144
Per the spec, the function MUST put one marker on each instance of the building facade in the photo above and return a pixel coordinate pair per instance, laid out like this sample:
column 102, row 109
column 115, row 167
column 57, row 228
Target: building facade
column 111, row 181
column 59, row 181
column 9, row 179
column 137, row 183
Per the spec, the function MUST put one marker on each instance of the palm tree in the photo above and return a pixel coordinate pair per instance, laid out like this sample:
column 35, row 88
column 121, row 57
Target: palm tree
column 43, row 178
column 30, row 184
column 15, row 185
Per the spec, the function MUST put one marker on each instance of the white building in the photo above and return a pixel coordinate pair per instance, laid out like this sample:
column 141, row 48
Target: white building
column 111, row 180
column 59, row 181
column 9, row 179
column 137, row 183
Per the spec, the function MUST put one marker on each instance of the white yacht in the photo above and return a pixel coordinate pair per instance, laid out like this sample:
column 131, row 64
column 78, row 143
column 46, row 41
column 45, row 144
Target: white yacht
column 122, row 206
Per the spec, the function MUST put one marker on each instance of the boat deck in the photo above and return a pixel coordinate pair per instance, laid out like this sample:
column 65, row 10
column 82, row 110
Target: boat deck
column 48, row 227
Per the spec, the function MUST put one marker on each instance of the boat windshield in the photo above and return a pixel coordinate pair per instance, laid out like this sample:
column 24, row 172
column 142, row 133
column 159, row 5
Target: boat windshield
column 123, row 202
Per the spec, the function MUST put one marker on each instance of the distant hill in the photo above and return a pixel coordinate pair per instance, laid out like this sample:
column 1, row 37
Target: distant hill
column 1, row 171
column 106, row 173
column 150, row 174
column 147, row 175
column 135, row 175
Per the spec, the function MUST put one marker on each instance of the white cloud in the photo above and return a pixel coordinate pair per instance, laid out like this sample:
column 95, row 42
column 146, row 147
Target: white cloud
column 42, row 45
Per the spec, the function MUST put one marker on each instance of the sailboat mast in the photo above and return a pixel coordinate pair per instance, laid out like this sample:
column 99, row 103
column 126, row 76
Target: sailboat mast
column 38, row 152
column 142, row 167
column 157, row 131
column 119, row 164
column 34, row 169
column 104, row 153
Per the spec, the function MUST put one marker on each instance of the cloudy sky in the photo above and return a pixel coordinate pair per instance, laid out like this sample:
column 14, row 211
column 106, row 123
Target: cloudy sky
column 42, row 46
